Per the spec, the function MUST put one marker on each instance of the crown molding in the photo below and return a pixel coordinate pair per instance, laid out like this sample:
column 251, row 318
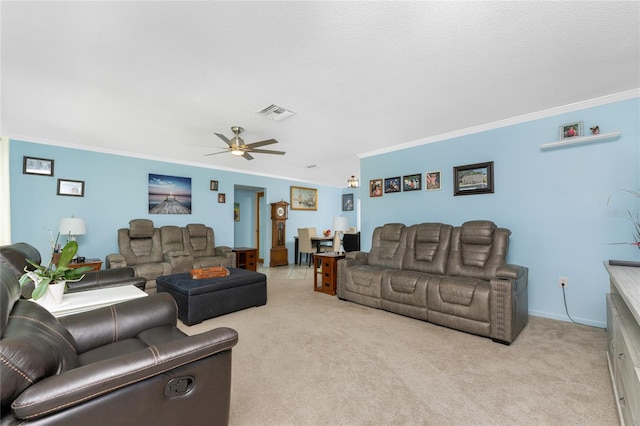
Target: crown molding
column 603, row 100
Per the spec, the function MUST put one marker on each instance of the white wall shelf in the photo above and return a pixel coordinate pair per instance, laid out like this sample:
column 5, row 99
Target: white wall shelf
column 582, row 140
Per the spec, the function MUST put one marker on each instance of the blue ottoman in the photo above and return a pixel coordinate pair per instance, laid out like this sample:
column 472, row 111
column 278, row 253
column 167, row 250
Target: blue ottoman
column 199, row 300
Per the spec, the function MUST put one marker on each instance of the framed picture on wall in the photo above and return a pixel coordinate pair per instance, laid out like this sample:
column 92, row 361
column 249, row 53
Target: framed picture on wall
column 473, row 179
column 222, row 198
column 73, row 188
column 304, row 198
column 392, row 185
column 347, row 202
column 571, row 130
column 236, row 212
column 213, row 186
column 375, row 188
column 433, row 181
column 37, row 166
column 412, row 182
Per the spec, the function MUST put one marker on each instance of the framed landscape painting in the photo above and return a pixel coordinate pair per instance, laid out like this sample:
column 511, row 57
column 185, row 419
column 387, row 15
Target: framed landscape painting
column 473, row 179
column 304, row 198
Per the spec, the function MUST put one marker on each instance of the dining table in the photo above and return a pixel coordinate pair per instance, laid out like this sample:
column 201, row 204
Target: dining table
column 316, row 241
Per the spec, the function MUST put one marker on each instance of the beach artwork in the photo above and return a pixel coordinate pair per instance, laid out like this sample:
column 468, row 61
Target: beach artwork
column 169, row 194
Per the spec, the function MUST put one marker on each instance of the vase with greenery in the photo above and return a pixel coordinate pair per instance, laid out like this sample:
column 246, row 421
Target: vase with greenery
column 54, row 273
column 634, row 218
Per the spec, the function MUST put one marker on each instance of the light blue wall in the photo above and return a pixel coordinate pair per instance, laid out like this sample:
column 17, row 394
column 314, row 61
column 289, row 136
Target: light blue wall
column 554, row 202
column 243, row 230
column 116, row 191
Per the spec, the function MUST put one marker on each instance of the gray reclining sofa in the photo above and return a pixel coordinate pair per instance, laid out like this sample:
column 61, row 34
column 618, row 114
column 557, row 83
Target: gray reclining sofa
column 452, row 276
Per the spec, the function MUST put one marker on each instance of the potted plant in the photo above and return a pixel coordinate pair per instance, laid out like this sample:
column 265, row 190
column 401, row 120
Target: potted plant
column 52, row 279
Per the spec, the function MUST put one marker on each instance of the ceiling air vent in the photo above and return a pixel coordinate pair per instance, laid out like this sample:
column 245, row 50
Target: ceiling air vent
column 275, row 112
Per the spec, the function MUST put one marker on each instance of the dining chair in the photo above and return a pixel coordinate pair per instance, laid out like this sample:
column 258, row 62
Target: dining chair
column 305, row 245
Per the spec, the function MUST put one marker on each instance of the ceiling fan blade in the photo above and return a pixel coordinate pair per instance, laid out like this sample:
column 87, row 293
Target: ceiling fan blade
column 224, row 138
column 247, row 156
column 267, row 151
column 262, row 143
column 216, row 153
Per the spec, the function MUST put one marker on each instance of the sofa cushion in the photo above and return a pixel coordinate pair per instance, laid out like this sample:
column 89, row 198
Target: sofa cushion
column 140, row 228
column 461, row 297
column 388, row 246
column 427, row 248
column 478, row 257
column 171, row 239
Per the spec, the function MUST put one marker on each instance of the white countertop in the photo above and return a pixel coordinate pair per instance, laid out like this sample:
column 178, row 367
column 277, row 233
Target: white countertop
column 627, row 280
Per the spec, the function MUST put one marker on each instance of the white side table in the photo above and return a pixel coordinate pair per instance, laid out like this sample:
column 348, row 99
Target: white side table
column 73, row 303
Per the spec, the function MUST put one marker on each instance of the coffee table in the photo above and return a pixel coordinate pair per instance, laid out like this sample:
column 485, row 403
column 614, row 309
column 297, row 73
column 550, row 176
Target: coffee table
column 202, row 299
column 81, row 301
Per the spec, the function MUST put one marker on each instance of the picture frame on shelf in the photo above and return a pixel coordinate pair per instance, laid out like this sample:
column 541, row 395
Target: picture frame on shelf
column 412, row 182
column 347, row 202
column 303, row 198
column 433, row 180
column 572, row 130
column 392, row 185
column 375, row 188
column 37, row 166
column 473, row 179
column 72, row 188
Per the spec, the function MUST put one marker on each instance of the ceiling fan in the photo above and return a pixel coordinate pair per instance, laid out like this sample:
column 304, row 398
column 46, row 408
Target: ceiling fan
column 239, row 148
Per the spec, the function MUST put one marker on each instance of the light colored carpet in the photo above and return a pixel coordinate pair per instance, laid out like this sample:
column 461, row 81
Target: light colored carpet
column 307, row 358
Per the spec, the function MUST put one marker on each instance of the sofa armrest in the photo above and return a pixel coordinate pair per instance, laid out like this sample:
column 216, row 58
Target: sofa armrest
column 356, row 258
column 223, row 250
column 115, row 260
column 121, row 321
column 509, row 302
column 78, row 385
column 107, row 278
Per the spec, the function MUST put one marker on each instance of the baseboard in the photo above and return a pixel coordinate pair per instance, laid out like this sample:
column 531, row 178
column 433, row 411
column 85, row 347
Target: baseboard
column 583, row 321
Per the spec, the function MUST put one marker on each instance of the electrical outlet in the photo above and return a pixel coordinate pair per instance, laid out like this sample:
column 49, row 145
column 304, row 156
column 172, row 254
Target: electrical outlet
column 563, row 282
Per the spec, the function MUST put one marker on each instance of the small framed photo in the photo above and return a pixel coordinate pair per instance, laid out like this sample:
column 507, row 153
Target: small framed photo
column 571, row 130
column 37, row 166
column 412, row 182
column 73, row 188
column 375, row 188
column 236, row 212
column 473, row 179
column 433, row 181
column 222, row 198
column 392, row 185
column 347, row 202
column 213, row 186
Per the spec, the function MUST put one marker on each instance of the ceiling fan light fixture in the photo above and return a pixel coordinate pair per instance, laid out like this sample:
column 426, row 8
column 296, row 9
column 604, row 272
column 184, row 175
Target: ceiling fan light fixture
column 237, row 151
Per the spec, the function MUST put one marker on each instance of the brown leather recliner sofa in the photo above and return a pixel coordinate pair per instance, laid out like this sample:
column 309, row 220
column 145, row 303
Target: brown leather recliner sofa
column 452, row 276
column 153, row 252
column 13, row 257
column 125, row 364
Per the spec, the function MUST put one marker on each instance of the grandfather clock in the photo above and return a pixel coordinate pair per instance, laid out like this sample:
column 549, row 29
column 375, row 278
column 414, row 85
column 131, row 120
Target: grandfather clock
column 279, row 253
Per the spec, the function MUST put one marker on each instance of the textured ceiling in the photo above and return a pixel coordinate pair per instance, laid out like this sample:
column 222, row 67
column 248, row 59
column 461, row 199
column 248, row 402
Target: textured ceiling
column 157, row 79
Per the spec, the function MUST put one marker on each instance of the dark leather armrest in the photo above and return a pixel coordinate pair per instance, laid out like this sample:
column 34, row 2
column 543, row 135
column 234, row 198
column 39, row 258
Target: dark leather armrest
column 76, row 386
column 120, row 321
column 107, row 278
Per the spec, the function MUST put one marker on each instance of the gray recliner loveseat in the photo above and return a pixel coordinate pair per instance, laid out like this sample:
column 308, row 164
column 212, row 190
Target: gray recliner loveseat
column 452, row 276
column 153, row 252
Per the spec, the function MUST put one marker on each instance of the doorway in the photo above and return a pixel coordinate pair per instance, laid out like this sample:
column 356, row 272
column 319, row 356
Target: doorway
column 249, row 225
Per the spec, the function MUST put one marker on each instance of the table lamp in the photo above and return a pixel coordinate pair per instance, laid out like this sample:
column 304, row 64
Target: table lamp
column 340, row 224
column 72, row 227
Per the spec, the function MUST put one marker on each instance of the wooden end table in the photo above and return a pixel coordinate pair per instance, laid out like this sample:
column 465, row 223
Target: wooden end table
column 95, row 264
column 325, row 279
column 246, row 258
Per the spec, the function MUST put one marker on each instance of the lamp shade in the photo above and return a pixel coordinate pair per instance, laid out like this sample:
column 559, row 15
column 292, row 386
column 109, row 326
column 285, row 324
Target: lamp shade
column 72, row 226
column 340, row 224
